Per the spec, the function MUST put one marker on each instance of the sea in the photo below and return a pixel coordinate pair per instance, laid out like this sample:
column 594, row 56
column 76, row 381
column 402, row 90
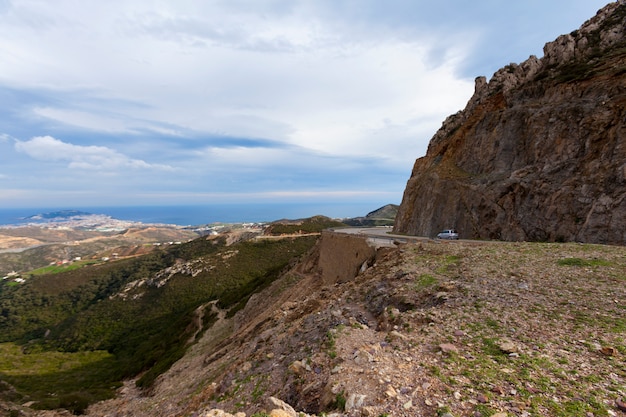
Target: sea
column 194, row 215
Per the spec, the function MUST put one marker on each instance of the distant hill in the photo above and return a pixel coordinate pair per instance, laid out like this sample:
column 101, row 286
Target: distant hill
column 383, row 216
column 313, row 224
column 57, row 215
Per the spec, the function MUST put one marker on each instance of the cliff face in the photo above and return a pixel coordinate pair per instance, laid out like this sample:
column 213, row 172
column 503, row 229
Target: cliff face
column 539, row 152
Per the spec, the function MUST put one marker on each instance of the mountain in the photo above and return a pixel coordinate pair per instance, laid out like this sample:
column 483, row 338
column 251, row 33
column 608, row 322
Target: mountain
column 538, row 153
column 383, row 216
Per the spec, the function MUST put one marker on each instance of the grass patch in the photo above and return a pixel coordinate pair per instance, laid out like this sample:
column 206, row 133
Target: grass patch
column 331, row 344
column 55, row 269
column 424, row 281
column 340, row 401
column 58, row 379
column 449, row 262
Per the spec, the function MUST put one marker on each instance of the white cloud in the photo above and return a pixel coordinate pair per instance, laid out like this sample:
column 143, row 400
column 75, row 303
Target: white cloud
column 84, row 119
column 99, row 120
column 304, row 73
column 101, row 158
column 5, row 138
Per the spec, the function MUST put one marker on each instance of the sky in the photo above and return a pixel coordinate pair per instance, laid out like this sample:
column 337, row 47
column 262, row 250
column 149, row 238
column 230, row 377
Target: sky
column 147, row 102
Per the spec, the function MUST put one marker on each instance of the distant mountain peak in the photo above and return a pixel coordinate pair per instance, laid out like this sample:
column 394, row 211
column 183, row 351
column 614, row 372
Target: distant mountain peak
column 383, row 216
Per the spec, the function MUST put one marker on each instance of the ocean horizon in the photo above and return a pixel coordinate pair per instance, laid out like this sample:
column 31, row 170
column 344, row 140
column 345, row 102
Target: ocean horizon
column 192, row 215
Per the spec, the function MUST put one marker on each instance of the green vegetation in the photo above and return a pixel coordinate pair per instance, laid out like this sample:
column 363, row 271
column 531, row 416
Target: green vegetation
column 116, row 320
column 340, row 401
column 331, row 344
column 313, row 225
column 424, row 281
column 530, row 374
column 77, row 379
column 55, row 269
column 449, row 263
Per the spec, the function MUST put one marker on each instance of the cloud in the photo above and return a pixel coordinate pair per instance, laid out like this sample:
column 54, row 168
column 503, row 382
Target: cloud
column 278, row 70
column 100, row 158
column 84, row 119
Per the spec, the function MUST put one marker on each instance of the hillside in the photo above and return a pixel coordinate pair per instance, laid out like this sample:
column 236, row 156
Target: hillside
column 538, row 153
column 78, row 333
column 430, row 329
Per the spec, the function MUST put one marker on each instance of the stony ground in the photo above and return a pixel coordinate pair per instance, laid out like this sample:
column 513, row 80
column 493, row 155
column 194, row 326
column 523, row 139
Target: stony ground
column 432, row 329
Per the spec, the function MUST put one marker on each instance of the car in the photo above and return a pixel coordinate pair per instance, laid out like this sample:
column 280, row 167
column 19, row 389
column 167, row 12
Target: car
column 448, row 234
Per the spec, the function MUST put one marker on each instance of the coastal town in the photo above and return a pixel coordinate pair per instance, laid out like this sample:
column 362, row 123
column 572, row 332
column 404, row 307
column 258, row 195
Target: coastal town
column 65, row 240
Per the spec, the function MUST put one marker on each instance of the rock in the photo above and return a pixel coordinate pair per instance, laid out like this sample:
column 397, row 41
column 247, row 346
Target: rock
column 396, row 335
column 369, row 411
column 507, row 346
column 282, row 406
column 277, row 412
column 297, row 367
column 620, row 403
column 216, row 413
column 362, row 356
column 391, row 392
column 482, row 398
column 448, row 348
column 608, row 351
column 354, row 401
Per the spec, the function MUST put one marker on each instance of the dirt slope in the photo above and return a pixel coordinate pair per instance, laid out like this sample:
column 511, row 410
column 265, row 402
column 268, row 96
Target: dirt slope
column 468, row 329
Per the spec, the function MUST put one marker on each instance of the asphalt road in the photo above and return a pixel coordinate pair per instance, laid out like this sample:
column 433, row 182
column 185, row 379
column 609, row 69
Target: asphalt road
column 381, row 236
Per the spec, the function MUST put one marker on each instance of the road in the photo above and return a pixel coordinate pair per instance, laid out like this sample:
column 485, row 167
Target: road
column 379, row 236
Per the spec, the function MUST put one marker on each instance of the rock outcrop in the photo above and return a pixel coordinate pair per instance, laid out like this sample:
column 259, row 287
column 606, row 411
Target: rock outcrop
column 539, row 152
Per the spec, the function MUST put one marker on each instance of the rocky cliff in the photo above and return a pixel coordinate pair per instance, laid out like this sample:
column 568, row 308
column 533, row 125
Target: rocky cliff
column 539, row 152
